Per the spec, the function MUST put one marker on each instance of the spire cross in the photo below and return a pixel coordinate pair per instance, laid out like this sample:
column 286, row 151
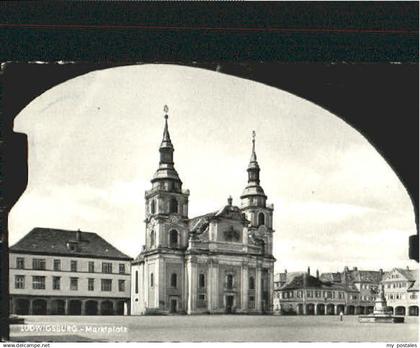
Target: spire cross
column 166, row 109
column 253, row 141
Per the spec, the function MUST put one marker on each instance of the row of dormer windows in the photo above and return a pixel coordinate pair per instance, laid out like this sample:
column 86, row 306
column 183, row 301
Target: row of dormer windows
column 40, row 264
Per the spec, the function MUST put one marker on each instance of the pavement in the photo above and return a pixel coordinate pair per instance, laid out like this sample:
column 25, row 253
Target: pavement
column 211, row 328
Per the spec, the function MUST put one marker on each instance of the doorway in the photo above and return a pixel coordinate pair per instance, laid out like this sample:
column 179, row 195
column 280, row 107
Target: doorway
column 229, row 304
column 173, row 305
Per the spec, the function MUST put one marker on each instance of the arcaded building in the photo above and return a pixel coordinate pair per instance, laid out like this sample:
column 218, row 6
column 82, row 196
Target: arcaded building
column 61, row 272
column 220, row 262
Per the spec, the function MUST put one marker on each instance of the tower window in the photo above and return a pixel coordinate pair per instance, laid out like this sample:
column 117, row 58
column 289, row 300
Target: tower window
column 261, row 219
column 151, row 280
column 173, row 239
column 137, row 282
column 251, row 283
column 202, row 280
column 152, row 239
column 173, row 206
column 173, row 280
column 229, row 281
column 153, row 207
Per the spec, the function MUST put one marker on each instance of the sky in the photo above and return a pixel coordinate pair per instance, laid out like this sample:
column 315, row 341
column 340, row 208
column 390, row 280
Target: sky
column 93, row 149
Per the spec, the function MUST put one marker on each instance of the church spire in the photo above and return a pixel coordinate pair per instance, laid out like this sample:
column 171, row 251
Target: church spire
column 166, row 170
column 253, row 167
column 253, row 188
column 166, row 139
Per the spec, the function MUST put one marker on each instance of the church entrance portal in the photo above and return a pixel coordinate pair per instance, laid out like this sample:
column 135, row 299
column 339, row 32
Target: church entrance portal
column 229, row 304
column 174, row 304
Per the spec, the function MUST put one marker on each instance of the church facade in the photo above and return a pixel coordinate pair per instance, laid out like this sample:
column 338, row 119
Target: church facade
column 220, row 262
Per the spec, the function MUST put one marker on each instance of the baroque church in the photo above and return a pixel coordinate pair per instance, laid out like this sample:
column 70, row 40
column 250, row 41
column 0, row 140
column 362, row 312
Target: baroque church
column 220, row 262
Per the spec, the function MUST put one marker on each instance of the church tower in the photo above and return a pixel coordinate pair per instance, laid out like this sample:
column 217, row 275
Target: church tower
column 166, row 203
column 254, row 205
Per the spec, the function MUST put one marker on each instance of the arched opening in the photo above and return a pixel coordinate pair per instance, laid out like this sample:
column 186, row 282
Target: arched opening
column 413, row 310
column 390, row 309
column 350, row 310
column 202, row 280
column 173, row 239
column 369, row 309
column 300, row 308
column 340, row 308
column 174, row 280
column 107, row 308
column 91, row 307
column 173, row 206
column 22, row 306
column 330, row 309
column 58, row 307
column 261, row 219
column 152, row 238
column 400, row 310
column 39, row 307
column 310, row 309
column 359, row 310
column 229, row 281
column 152, row 206
column 251, row 283
column 120, row 307
column 75, row 307
column 320, row 309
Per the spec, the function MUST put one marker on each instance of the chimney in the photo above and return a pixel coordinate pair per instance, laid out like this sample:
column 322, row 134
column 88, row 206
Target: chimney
column 317, row 274
column 354, row 268
column 285, row 271
column 381, row 271
column 408, row 268
column 78, row 235
column 309, row 270
column 346, row 269
column 230, row 200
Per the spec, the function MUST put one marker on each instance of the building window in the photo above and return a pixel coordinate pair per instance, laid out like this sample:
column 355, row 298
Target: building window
column 151, row 280
column 251, row 283
column 201, row 297
column 153, row 206
column 173, row 239
column 19, row 281
column 173, row 206
column 106, row 284
column 201, row 280
column 57, row 265
column 56, row 283
column 91, row 284
column 73, row 266
column 38, row 264
column 121, row 285
column 106, row 267
column 152, row 239
column 74, row 283
column 309, row 293
column 121, row 268
column 38, row 282
column 261, row 219
column 91, row 267
column 136, row 284
column 20, row 263
column 173, row 280
column 229, row 281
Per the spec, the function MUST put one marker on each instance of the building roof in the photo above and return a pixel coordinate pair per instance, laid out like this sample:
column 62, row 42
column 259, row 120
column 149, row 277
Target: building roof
column 305, row 281
column 67, row 243
column 286, row 276
column 331, row 277
column 366, row 276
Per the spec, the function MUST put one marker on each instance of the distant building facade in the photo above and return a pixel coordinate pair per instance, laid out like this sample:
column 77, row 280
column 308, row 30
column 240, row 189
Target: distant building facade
column 68, row 272
column 302, row 294
column 401, row 289
column 220, row 262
